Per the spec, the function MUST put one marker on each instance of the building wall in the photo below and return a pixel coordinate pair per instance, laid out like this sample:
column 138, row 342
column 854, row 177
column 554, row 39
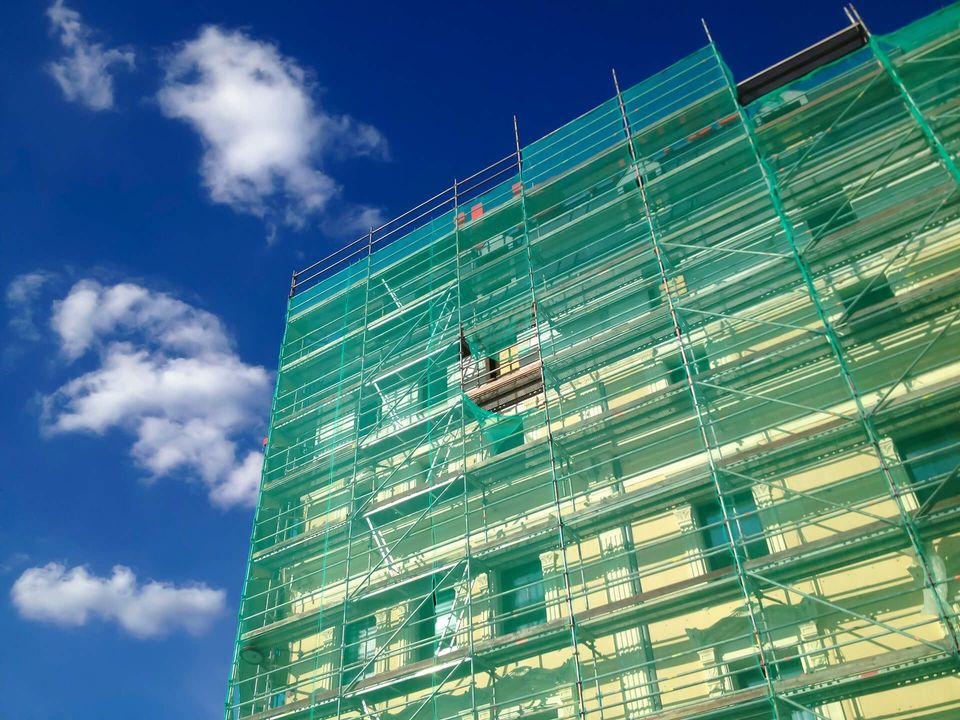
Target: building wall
column 650, row 425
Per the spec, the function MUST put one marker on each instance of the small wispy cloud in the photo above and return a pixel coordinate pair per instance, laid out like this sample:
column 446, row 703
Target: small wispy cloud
column 73, row 597
column 85, row 72
column 353, row 221
column 264, row 133
column 13, row 562
column 166, row 373
column 21, row 297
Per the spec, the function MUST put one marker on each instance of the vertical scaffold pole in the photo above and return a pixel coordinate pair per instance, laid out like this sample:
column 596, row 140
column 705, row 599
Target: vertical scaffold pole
column 353, row 477
column 561, row 526
column 873, row 438
column 468, row 596
column 755, row 623
column 883, row 59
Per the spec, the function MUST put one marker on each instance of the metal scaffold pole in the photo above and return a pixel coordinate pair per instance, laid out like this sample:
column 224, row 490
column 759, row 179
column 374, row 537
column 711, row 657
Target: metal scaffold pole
column 469, row 570
column 351, row 508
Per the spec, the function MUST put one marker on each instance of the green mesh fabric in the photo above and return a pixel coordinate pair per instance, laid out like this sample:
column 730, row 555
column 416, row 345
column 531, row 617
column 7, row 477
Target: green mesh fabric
column 495, row 427
column 732, row 491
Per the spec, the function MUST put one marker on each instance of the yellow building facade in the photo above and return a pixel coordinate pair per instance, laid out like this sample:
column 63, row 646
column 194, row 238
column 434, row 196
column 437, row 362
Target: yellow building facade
column 657, row 417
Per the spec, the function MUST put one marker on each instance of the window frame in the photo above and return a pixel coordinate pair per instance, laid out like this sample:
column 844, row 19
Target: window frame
column 927, row 447
column 357, row 648
column 435, row 640
column 517, row 614
column 713, row 532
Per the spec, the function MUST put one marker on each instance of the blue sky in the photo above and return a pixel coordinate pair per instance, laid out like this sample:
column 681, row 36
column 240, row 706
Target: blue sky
column 163, row 169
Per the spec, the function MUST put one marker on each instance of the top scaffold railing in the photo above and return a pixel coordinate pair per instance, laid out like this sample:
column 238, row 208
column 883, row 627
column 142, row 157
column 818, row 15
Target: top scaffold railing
column 461, row 194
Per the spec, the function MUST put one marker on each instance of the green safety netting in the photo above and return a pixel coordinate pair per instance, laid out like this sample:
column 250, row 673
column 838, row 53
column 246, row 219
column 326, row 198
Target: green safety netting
column 747, row 323
column 495, row 427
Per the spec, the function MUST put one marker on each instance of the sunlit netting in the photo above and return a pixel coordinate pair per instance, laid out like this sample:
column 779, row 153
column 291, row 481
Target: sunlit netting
column 656, row 417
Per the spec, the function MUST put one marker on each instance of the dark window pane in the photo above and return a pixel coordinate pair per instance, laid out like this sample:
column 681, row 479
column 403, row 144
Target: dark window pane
column 699, row 364
column 523, row 596
column 790, row 667
column 746, row 673
column 361, row 646
column 863, row 294
column 833, row 213
column 867, row 304
column 369, row 411
column 930, row 458
column 745, row 523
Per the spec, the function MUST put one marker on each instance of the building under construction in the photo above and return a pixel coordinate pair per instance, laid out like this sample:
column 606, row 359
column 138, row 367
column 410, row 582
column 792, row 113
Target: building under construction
column 657, row 417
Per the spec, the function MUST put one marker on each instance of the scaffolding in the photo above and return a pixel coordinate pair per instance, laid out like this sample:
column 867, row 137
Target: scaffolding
column 655, row 417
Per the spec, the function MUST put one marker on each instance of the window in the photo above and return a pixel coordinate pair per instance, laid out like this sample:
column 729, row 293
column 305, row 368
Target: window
column 332, row 429
column 697, row 358
column 861, row 301
column 833, row 213
column 654, row 297
column 746, row 673
column 932, row 462
column 652, row 294
column 444, row 619
column 495, row 246
column 522, row 597
column 361, row 646
column 401, row 400
column 865, row 293
column 493, row 369
column 479, row 371
column 439, row 623
column 746, row 526
column 476, row 371
column 786, row 103
column 293, row 518
column 369, row 411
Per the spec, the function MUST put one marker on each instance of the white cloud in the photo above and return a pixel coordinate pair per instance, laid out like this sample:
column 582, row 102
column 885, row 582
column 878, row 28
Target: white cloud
column 84, row 72
column 21, row 296
column 91, row 311
column 242, row 485
column 263, row 131
column 73, row 597
column 166, row 373
column 354, row 221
